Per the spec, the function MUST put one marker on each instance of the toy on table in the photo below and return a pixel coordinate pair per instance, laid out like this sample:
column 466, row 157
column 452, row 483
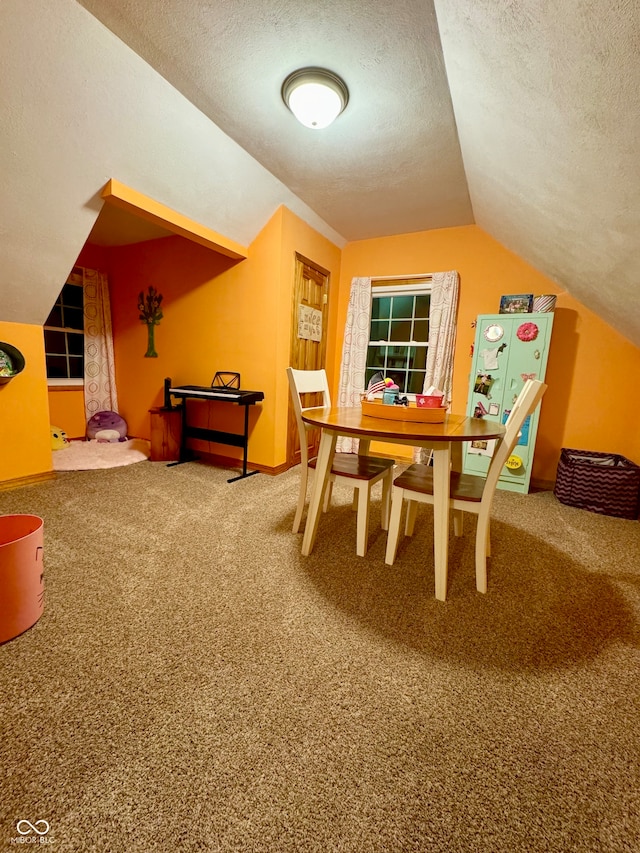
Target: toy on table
column 376, row 383
column 390, row 393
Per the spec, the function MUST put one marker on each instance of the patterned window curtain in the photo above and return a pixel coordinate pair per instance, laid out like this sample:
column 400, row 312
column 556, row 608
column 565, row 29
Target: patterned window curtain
column 99, row 366
column 442, row 340
column 354, row 353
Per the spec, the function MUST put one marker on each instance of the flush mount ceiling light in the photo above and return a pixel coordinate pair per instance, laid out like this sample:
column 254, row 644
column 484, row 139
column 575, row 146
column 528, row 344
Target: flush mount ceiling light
column 315, row 96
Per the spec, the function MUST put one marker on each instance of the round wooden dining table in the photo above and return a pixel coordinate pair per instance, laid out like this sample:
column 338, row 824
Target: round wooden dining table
column 444, row 439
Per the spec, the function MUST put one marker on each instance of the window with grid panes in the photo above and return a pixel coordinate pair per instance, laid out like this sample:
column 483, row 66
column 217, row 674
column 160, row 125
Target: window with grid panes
column 399, row 334
column 64, row 332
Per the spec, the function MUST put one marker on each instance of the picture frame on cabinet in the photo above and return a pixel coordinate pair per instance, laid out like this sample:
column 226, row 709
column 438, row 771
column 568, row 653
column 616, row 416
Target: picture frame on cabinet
column 483, row 383
column 516, row 303
column 482, row 447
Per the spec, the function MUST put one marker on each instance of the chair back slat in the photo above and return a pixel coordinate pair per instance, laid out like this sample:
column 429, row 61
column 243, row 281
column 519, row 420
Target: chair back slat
column 306, row 382
column 526, row 402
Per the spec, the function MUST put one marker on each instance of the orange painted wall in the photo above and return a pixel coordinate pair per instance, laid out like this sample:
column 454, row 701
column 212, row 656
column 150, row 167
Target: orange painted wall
column 589, row 404
column 299, row 237
column 218, row 315
column 66, row 408
column 223, row 315
column 25, row 437
column 197, row 286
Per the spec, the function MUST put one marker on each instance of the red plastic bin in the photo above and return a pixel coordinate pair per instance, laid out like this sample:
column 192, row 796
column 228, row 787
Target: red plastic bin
column 21, row 573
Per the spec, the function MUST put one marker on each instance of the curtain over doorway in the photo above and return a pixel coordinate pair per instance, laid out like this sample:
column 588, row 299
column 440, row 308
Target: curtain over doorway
column 99, row 364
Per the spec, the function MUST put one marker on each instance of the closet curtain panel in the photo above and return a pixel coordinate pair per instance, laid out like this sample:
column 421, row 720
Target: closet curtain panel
column 99, row 365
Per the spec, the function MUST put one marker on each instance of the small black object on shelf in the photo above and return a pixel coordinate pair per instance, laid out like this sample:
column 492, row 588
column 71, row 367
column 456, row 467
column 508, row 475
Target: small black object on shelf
column 11, row 362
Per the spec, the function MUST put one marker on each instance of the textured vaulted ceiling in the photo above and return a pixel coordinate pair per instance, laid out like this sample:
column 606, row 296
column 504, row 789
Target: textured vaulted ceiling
column 522, row 116
column 391, row 164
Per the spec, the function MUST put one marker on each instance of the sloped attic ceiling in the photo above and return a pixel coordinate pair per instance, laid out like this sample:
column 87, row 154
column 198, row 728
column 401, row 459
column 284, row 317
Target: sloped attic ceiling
column 544, row 99
column 521, row 116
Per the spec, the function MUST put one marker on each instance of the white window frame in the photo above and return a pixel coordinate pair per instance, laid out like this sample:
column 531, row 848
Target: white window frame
column 420, row 286
column 66, row 380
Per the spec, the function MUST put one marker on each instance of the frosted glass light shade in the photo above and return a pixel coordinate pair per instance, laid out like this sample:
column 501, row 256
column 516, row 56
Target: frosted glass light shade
column 315, row 96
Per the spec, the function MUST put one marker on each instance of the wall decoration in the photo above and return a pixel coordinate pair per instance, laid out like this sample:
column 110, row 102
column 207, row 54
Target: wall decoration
column 6, row 365
column 517, row 303
column 527, row 332
column 523, row 438
column 151, row 314
column 309, row 323
column 11, row 362
column 513, row 462
column 493, row 333
column 479, row 411
column 483, row 383
column 480, row 447
column 489, row 358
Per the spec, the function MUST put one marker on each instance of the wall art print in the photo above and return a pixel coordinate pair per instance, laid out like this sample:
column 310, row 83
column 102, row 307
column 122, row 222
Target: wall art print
column 517, row 303
column 151, row 314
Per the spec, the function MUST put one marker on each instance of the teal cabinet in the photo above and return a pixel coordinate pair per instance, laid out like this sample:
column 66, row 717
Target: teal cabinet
column 508, row 349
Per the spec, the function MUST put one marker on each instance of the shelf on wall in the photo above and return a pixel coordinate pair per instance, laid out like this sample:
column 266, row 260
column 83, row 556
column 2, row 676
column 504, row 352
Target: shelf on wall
column 11, row 362
column 132, row 201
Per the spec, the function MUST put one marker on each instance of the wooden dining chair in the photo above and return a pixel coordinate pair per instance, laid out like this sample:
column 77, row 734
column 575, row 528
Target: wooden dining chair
column 358, row 472
column 468, row 492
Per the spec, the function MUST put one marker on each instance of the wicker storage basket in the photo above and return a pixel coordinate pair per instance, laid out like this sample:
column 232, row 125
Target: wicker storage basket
column 600, row 482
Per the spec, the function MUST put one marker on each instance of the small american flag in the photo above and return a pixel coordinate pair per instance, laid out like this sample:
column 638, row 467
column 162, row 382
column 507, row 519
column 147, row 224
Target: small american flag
column 376, row 383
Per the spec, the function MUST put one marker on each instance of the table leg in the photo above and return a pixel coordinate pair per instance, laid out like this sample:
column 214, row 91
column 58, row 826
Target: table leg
column 364, row 447
column 456, row 456
column 441, row 475
column 326, row 453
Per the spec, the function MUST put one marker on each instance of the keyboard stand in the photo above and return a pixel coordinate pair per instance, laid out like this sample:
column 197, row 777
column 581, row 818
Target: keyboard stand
column 242, row 398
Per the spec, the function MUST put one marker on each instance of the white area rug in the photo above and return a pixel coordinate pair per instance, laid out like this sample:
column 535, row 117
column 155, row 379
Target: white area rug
column 85, row 455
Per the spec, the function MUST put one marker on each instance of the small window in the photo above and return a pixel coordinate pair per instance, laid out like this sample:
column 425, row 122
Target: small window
column 64, row 333
column 399, row 334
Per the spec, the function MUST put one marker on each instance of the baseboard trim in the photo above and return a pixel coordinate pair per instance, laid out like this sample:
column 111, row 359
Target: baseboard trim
column 541, row 485
column 18, row 482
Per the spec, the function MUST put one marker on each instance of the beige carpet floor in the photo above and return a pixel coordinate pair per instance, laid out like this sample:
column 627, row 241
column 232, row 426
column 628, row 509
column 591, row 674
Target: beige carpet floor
column 196, row 684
